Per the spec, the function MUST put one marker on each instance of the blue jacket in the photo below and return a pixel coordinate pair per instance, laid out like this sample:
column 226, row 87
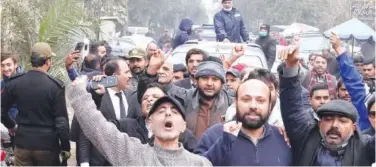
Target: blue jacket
column 229, row 24
column 354, row 84
column 230, row 150
column 182, row 36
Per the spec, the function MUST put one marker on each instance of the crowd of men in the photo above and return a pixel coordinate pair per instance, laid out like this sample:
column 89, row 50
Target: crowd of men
column 209, row 112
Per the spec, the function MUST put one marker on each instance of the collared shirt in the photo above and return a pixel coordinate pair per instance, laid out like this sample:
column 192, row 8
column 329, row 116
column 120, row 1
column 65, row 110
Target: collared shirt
column 254, row 141
column 116, row 102
column 150, row 133
column 193, row 84
column 203, row 118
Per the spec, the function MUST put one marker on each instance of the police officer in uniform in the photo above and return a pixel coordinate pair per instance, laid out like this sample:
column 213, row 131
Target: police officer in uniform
column 42, row 130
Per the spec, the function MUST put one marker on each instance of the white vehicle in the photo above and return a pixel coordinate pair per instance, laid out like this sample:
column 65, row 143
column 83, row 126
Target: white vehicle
column 122, row 45
column 254, row 57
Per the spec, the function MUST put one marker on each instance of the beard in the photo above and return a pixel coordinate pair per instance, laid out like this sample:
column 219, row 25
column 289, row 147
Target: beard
column 207, row 97
column 251, row 124
column 136, row 70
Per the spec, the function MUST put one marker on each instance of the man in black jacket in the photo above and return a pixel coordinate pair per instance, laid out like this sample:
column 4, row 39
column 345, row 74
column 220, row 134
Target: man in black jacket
column 267, row 44
column 138, row 128
column 332, row 141
column 43, row 129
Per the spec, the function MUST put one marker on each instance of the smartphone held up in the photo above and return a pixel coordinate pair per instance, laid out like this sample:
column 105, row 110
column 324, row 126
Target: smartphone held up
column 107, row 82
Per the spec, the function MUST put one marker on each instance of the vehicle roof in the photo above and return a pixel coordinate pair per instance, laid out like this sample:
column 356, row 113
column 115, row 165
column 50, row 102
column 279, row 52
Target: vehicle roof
column 215, row 48
column 212, row 46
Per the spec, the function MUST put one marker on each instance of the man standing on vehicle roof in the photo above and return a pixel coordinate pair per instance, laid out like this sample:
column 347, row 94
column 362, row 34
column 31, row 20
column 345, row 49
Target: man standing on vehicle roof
column 229, row 25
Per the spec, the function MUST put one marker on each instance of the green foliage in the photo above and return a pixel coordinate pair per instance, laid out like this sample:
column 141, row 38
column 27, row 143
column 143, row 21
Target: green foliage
column 59, row 23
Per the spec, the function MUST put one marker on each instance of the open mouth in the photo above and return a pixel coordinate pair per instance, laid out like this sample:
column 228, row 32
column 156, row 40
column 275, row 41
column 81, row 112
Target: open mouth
column 168, row 125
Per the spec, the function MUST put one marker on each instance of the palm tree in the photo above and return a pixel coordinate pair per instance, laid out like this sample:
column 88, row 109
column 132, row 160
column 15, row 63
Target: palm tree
column 57, row 22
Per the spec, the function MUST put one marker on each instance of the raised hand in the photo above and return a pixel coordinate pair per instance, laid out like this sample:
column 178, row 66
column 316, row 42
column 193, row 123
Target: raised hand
column 336, row 44
column 157, row 58
column 71, row 58
column 80, row 83
column 290, row 54
column 238, row 50
column 156, row 61
column 232, row 127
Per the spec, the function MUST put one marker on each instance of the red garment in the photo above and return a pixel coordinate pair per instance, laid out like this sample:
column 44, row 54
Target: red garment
column 329, row 82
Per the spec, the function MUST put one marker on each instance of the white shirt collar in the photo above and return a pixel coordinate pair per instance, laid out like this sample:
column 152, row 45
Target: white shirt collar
column 115, row 102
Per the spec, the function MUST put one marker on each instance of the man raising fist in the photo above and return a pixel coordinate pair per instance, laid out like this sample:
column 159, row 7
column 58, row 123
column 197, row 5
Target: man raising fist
column 334, row 140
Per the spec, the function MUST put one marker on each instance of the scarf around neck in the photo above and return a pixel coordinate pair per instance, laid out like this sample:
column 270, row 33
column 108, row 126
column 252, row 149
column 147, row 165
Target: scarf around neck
column 327, row 79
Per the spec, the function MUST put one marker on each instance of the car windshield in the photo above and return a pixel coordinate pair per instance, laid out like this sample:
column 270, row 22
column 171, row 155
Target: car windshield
column 249, row 60
column 206, row 34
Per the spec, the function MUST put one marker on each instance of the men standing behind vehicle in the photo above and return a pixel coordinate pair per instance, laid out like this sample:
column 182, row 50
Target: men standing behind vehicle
column 334, row 140
column 182, row 36
column 267, row 44
column 43, row 129
column 192, row 59
column 229, row 24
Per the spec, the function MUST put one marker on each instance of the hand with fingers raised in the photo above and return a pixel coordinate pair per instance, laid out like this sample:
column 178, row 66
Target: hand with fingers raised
column 290, row 55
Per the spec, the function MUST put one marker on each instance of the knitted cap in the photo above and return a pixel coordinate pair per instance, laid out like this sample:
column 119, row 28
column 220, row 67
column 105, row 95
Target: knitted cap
column 211, row 68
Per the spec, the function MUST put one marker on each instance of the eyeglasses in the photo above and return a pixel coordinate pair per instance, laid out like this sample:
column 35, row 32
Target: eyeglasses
column 371, row 114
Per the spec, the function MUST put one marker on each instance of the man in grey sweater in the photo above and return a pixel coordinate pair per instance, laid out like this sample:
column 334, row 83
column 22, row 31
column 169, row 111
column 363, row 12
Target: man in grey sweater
column 166, row 120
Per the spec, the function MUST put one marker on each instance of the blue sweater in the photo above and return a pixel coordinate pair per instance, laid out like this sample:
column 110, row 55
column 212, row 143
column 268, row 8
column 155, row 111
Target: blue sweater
column 230, row 150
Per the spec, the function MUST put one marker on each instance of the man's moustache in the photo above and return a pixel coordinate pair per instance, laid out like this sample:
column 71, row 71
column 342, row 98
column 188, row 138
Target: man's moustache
column 333, row 131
